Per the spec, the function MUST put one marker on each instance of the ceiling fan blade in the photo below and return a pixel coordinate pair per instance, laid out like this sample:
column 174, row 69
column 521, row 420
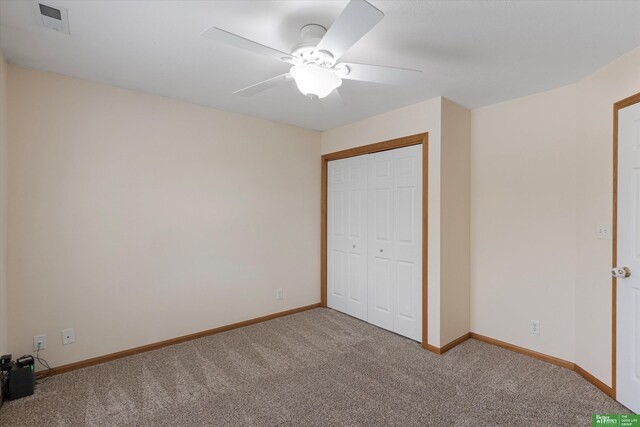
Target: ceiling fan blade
column 356, row 20
column 380, row 74
column 264, row 85
column 222, row 36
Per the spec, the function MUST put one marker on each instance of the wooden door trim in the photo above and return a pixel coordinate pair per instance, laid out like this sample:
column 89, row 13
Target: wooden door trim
column 627, row 102
column 421, row 138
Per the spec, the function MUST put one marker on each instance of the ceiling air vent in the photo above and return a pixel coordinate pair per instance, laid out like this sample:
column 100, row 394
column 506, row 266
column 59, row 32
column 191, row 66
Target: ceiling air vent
column 53, row 17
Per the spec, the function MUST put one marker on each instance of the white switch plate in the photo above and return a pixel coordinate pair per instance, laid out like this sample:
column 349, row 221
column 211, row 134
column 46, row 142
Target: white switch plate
column 42, row 339
column 279, row 294
column 68, row 336
column 535, row 327
column 604, row 231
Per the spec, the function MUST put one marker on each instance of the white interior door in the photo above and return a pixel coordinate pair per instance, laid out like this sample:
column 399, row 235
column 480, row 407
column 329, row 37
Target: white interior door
column 347, row 236
column 395, row 240
column 628, row 236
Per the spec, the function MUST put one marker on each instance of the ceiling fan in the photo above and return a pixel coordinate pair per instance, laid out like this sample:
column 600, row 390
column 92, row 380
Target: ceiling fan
column 314, row 62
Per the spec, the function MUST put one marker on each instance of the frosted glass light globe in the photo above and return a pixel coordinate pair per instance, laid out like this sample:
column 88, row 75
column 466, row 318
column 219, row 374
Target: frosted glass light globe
column 315, row 81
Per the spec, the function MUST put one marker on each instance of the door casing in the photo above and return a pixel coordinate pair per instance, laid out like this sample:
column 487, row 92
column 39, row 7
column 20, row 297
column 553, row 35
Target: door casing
column 421, row 138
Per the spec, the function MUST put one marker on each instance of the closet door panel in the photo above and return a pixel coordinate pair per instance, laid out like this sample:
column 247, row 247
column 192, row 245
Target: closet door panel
column 337, row 223
column 357, row 237
column 347, row 236
column 407, row 190
column 381, row 262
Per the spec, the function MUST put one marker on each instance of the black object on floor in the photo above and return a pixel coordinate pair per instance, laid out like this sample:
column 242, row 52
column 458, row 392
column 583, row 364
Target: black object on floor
column 20, row 382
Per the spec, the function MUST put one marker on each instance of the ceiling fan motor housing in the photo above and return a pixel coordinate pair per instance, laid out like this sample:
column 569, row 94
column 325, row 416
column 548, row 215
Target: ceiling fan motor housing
column 311, row 35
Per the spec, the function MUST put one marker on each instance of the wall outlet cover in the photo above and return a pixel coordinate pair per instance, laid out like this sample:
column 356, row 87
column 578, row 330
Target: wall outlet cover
column 68, row 336
column 42, row 339
column 604, row 231
column 279, row 294
column 535, row 327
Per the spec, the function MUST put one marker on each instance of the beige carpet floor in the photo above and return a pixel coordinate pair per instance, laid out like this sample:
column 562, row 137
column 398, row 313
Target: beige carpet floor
column 317, row 368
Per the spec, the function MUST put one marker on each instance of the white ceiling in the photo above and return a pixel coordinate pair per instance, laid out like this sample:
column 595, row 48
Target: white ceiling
column 472, row 52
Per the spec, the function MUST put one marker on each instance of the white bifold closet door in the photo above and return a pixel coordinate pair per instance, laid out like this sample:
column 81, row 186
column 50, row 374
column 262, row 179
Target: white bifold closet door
column 395, row 240
column 347, row 236
column 374, row 239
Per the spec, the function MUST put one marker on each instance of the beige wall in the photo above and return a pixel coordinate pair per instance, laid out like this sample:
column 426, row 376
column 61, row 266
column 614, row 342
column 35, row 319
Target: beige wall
column 417, row 118
column 135, row 219
column 454, row 221
column 427, row 117
column 523, row 221
column 4, row 345
column 596, row 95
column 541, row 174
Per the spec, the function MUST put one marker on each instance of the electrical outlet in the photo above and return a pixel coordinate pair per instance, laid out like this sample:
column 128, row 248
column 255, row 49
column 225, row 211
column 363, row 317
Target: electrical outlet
column 39, row 342
column 535, row 327
column 279, row 294
column 604, row 231
column 68, row 336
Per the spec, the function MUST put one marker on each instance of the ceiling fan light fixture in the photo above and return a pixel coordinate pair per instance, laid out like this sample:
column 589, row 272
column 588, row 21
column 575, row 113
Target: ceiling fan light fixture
column 315, row 81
